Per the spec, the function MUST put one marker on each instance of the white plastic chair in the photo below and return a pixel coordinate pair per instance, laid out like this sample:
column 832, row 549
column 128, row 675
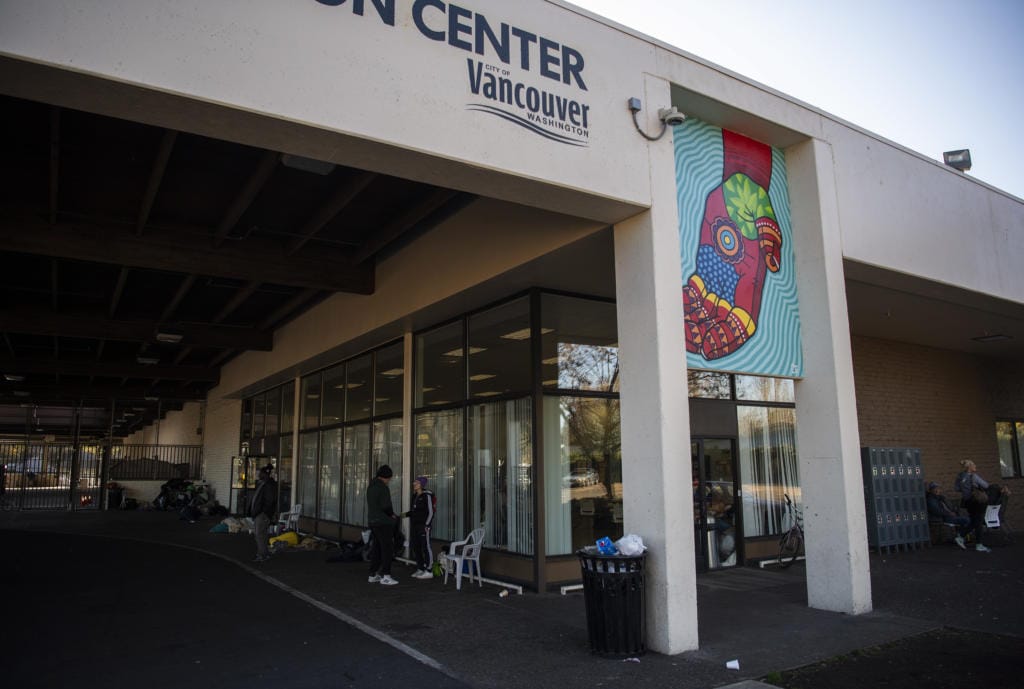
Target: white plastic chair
column 289, row 520
column 460, row 552
column 992, row 516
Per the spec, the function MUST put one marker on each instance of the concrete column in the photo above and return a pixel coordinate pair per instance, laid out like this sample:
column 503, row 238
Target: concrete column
column 657, row 500
column 828, row 440
column 408, row 431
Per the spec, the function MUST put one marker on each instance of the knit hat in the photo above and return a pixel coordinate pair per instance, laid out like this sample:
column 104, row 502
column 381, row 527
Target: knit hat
column 268, row 470
column 422, row 480
column 385, row 471
column 933, row 485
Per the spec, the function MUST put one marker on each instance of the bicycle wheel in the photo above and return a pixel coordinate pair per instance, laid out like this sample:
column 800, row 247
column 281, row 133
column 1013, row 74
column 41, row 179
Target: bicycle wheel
column 789, row 547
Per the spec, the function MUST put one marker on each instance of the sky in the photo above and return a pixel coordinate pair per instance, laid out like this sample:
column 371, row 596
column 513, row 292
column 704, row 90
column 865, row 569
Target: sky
column 930, row 75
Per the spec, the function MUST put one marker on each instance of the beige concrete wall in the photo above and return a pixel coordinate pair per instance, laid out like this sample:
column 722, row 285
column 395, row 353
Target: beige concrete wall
column 327, row 67
column 485, row 240
column 920, row 217
column 180, row 427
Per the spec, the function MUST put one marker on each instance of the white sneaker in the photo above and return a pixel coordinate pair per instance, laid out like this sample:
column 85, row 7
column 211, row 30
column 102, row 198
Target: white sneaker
column 982, row 549
column 386, row 580
column 959, row 540
column 374, row 578
column 423, row 574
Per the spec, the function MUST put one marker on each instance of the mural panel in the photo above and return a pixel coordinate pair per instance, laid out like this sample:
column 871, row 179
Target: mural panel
column 739, row 290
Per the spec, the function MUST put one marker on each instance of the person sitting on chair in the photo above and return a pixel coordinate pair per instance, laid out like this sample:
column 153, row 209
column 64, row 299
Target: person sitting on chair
column 940, row 508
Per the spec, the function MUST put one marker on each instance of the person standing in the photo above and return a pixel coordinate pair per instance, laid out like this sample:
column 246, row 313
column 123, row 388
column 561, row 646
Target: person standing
column 382, row 518
column 421, row 517
column 262, row 510
column 968, row 481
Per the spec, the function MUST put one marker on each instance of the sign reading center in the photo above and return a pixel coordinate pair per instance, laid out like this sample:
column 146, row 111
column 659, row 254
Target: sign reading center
column 545, row 113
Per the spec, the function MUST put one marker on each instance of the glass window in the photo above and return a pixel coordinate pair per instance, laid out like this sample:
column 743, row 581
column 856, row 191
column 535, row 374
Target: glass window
column 287, row 407
column 310, row 411
column 285, row 462
column 387, row 449
column 768, row 467
column 390, row 377
column 579, row 343
column 246, row 419
column 582, row 472
column 501, row 466
column 441, row 366
column 359, row 389
column 334, row 395
column 1010, row 440
column 500, row 342
column 305, row 491
column 273, row 411
column 259, row 405
column 760, row 389
column 355, row 468
column 709, row 385
column 439, row 457
column 330, row 475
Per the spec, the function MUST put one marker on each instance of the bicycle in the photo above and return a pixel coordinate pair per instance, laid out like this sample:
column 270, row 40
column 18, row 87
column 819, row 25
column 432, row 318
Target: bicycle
column 792, row 541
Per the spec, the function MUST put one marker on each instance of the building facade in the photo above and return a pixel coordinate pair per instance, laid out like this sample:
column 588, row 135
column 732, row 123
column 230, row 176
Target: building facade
column 613, row 334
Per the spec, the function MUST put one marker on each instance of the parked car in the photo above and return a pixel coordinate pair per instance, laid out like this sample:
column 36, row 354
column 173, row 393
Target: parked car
column 581, row 477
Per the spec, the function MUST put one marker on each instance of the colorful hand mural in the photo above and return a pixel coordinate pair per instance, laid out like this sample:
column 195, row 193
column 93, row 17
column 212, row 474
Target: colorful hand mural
column 740, row 243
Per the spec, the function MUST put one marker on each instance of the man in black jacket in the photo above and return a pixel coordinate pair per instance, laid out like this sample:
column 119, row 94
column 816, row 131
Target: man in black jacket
column 262, row 510
column 381, row 517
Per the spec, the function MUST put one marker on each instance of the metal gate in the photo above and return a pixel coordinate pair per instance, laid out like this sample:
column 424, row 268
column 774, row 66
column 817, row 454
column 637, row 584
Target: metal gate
column 50, row 476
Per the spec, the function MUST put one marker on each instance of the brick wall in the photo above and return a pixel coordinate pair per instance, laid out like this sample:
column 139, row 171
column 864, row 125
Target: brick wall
column 943, row 402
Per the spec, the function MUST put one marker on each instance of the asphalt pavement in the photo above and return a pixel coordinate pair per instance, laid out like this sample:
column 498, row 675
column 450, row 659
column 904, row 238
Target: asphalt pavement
column 145, row 599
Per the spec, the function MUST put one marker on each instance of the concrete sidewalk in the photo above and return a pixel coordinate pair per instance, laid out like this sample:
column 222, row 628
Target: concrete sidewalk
column 758, row 617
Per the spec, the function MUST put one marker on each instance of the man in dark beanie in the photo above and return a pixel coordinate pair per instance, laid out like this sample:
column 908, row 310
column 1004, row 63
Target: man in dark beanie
column 262, row 509
column 381, row 518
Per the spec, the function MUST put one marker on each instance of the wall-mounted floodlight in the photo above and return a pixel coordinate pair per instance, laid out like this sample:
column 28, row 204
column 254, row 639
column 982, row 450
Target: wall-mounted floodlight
column 668, row 116
column 961, row 160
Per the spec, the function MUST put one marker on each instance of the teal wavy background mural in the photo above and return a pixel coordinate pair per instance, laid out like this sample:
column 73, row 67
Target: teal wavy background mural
column 736, row 253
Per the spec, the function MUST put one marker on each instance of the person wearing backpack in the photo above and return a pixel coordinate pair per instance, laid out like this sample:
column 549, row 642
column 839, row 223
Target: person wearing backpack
column 421, row 517
column 967, row 482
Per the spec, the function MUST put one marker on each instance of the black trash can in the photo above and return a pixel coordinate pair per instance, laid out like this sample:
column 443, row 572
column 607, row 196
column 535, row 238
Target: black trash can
column 613, row 589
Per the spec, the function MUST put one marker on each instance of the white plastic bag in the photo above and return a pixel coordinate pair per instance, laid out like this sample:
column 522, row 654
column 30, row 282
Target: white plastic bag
column 630, row 545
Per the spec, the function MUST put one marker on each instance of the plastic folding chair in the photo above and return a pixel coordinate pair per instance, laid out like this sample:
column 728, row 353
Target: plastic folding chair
column 462, row 552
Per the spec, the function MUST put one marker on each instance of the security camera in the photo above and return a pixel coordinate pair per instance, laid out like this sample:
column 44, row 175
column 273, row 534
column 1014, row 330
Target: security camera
column 671, row 116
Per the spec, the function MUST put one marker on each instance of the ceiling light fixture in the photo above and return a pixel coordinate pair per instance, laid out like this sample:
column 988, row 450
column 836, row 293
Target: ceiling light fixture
column 482, row 376
column 472, row 350
column 147, row 360
column 392, row 372
column 14, row 377
column 524, row 334
column 169, row 337
column 317, row 167
column 992, row 338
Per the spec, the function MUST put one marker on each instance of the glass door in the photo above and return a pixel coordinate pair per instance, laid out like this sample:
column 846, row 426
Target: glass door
column 715, row 503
